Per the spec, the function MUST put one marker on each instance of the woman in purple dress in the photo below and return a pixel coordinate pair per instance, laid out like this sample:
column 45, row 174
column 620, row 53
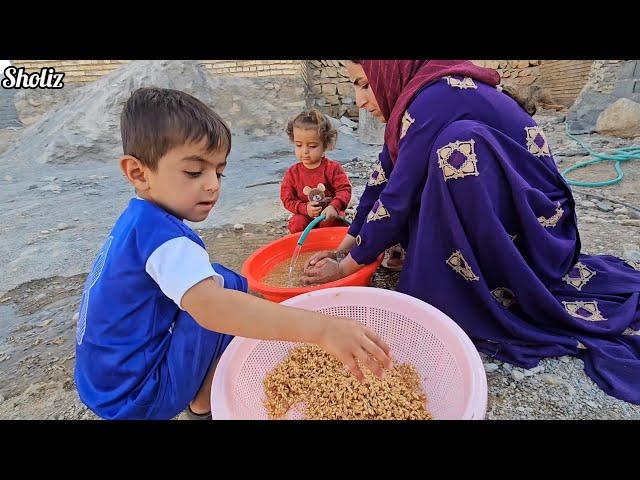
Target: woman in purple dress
column 467, row 184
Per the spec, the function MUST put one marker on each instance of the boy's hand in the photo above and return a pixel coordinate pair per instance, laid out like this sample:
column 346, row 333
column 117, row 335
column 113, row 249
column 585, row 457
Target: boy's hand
column 330, row 212
column 313, row 209
column 348, row 340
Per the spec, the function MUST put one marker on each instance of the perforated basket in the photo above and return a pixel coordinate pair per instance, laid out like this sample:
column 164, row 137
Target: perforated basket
column 449, row 365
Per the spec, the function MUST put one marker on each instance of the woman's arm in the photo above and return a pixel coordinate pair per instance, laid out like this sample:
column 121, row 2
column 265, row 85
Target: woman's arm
column 377, row 181
column 385, row 223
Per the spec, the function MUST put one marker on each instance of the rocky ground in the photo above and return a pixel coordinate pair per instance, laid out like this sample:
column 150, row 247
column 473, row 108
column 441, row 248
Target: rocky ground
column 56, row 215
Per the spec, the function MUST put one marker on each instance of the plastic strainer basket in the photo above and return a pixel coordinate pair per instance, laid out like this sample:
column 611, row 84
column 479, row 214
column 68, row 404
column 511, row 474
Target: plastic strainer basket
column 448, row 363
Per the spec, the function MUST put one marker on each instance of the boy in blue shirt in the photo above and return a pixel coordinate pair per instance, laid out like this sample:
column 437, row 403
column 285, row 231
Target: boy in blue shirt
column 155, row 314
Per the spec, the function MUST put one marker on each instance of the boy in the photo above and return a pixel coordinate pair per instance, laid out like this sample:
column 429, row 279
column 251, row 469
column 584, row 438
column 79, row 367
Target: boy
column 155, row 315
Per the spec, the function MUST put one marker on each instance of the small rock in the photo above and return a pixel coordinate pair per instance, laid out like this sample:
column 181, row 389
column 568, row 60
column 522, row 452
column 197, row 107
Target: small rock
column 591, row 404
column 633, row 255
column 46, row 322
column 587, row 204
column 507, row 367
column 220, row 235
column 621, row 210
column 48, row 179
column 238, row 227
column 605, row 206
column 631, row 222
column 622, row 217
column 348, row 122
column 490, row 367
column 8, row 178
column 52, row 188
column 635, row 214
column 63, row 226
column 269, row 86
column 550, row 379
column 565, row 359
column 247, row 234
column 517, row 375
column 589, row 219
column 620, row 119
column 44, row 232
column 76, row 219
column 520, row 409
column 346, row 130
column 528, row 373
column 75, row 317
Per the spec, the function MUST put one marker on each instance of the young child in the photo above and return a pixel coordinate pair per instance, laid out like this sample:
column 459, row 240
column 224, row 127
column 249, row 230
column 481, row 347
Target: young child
column 315, row 185
column 155, row 315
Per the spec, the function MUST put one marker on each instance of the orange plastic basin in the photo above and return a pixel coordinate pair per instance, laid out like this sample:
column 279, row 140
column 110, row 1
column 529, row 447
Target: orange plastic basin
column 263, row 260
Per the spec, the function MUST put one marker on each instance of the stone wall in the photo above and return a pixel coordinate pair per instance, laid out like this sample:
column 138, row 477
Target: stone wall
column 89, row 70
column 330, row 88
column 328, row 85
column 608, row 81
column 516, row 72
column 76, row 71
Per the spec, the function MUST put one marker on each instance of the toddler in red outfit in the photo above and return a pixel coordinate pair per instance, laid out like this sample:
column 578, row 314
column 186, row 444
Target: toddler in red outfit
column 315, row 185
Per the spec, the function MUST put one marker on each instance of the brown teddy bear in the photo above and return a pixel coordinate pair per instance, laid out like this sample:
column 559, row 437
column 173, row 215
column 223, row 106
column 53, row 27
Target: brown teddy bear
column 316, row 195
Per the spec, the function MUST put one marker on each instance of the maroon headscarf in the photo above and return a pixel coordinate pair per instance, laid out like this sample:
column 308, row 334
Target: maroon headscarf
column 396, row 82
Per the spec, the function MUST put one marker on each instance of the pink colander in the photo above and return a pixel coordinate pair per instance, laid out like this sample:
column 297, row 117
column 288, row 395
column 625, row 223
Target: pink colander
column 449, row 365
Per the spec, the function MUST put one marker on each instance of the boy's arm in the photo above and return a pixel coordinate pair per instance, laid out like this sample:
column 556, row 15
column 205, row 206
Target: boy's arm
column 240, row 314
column 181, row 269
column 289, row 196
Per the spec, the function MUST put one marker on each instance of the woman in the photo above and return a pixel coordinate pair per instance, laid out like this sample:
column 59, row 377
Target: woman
column 467, row 183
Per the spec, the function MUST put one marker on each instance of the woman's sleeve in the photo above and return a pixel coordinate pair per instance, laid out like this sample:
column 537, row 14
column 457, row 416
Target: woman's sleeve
column 375, row 185
column 386, row 221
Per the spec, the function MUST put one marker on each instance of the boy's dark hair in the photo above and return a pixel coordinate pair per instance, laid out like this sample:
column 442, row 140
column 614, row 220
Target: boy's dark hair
column 155, row 120
column 316, row 120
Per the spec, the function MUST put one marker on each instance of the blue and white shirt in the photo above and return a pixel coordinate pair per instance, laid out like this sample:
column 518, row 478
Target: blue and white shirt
column 131, row 300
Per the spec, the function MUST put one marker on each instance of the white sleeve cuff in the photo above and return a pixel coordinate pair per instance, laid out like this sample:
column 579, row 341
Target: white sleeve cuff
column 177, row 265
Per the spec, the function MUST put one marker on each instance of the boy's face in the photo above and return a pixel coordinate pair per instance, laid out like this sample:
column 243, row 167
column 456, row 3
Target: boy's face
column 186, row 181
column 308, row 146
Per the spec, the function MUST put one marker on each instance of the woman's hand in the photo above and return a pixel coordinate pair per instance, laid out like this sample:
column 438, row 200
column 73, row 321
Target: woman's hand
column 325, row 270
column 316, row 257
column 343, row 249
